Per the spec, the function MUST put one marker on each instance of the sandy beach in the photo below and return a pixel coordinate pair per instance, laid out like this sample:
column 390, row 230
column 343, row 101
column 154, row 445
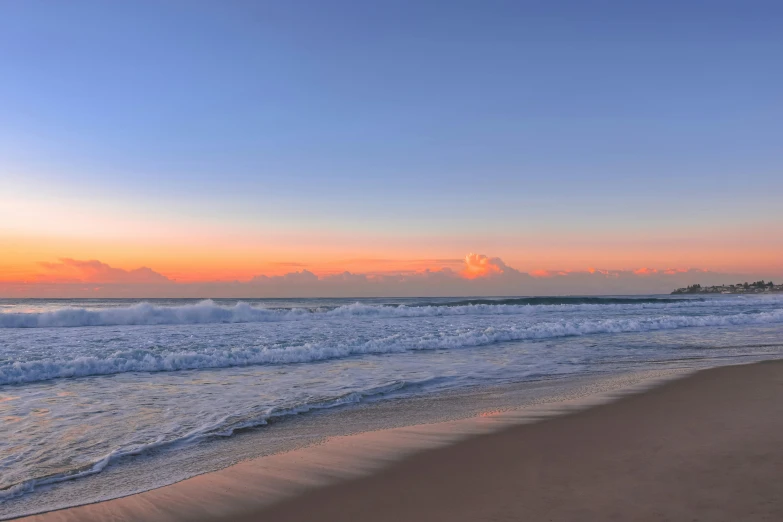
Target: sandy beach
column 390, row 261
column 705, row 447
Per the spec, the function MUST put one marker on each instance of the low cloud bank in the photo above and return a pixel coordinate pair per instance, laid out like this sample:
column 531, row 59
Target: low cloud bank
column 480, row 276
column 479, row 265
column 93, row 271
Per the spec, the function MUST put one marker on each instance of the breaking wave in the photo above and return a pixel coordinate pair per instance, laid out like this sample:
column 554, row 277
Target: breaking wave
column 543, row 301
column 208, row 311
column 142, row 360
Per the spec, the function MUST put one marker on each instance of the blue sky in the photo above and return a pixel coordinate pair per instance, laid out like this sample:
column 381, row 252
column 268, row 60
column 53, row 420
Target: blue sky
column 450, row 119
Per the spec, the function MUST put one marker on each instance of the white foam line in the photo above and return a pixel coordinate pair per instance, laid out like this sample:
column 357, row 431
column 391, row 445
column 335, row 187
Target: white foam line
column 264, row 480
column 221, row 428
column 143, row 361
column 207, row 312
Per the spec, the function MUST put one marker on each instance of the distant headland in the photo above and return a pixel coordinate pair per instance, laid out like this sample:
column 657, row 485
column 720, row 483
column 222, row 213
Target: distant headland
column 759, row 287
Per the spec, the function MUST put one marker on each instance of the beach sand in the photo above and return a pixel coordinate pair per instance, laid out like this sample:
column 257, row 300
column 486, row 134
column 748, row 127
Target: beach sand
column 708, row 447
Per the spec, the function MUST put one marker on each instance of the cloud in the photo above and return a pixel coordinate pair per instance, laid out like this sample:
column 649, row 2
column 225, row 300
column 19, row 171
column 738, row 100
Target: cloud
column 479, row 275
column 391, row 266
column 479, row 265
column 674, row 271
column 94, row 271
column 550, row 273
column 302, row 277
column 637, row 281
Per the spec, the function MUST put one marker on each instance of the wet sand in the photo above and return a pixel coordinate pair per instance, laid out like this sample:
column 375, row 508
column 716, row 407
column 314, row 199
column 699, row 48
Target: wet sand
column 708, row 447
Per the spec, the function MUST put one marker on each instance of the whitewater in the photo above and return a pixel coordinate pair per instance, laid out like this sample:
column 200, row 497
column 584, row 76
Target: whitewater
column 89, row 387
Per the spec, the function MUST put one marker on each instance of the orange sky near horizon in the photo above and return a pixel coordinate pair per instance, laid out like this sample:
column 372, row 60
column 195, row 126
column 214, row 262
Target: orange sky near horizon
column 22, row 258
column 189, row 244
column 620, row 147
column 190, row 247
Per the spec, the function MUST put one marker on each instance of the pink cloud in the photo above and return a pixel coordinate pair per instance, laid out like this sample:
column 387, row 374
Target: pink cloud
column 479, row 265
column 303, row 276
column 94, row 271
column 645, row 271
column 481, row 275
column 673, row 271
column 550, row 273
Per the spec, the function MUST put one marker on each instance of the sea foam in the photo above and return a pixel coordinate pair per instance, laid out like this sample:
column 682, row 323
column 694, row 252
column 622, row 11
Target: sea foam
column 143, row 360
column 225, row 427
column 208, row 311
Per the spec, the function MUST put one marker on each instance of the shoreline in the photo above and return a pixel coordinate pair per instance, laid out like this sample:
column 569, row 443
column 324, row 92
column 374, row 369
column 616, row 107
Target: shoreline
column 273, row 482
column 157, row 469
column 704, row 447
column 288, row 472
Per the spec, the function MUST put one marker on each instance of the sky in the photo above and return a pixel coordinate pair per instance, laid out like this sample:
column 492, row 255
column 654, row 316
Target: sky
column 207, row 145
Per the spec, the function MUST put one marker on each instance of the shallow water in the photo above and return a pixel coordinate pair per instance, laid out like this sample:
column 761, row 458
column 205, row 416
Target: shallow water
column 84, row 383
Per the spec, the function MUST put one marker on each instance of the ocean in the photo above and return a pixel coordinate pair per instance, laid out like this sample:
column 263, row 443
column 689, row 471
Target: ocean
column 102, row 398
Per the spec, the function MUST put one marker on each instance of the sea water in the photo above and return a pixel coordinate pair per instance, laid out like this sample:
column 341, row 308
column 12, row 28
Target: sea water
column 88, row 387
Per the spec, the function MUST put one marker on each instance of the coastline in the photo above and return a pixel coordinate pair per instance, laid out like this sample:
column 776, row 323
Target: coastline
column 253, row 489
column 704, row 447
column 199, row 418
column 146, row 472
column 643, row 453
column 390, row 431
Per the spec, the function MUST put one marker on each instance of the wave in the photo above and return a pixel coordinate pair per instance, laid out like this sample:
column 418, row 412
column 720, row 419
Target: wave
column 146, row 314
column 224, row 427
column 148, row 361
column 206, row 312
column 542, row 301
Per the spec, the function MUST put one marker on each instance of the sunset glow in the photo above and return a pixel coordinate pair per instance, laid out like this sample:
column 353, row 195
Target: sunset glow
column 268, row 164
column 250, row 250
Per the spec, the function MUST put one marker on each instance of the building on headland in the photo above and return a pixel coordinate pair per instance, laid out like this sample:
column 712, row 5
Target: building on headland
column 758, row 287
